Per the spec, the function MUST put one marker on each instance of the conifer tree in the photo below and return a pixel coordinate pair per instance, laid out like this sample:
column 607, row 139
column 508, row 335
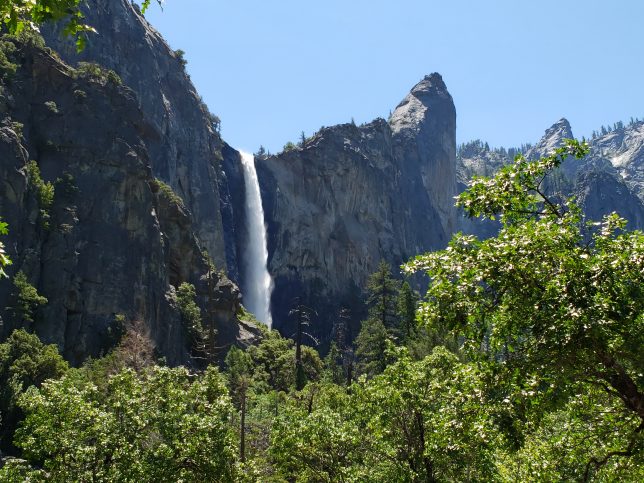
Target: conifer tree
column 382, row 291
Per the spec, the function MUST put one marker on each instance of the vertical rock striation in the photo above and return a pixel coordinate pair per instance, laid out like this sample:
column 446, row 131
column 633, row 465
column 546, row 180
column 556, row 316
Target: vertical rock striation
column 351, row 196
column 185, row 148
column 114, row 242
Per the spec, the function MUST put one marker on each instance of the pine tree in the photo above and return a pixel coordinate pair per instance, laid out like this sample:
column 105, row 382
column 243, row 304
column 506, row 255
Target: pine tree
column 371, row 345
column 383, row 293
column 407, row 301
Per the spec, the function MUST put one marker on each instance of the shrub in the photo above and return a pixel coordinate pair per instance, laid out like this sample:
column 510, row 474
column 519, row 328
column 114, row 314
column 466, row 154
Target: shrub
column 51, row 105
column 44, row 191
column 27, row 298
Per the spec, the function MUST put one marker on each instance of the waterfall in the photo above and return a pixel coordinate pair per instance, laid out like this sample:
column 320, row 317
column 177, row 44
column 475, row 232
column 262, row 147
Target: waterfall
column 257, row 282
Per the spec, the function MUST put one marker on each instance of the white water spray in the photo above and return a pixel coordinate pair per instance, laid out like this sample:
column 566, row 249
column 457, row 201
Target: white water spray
column 258, row 284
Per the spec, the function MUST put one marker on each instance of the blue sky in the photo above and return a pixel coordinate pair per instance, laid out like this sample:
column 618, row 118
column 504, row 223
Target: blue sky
column 273, row 68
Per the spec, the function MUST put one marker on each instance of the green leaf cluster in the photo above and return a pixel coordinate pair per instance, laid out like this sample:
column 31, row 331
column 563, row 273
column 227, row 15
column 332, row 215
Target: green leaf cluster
column 20, row 15
column 161, row 425
column 44, row 191
column 26, row 299
column 24, row 362
column 552, row 307
column 5, row 261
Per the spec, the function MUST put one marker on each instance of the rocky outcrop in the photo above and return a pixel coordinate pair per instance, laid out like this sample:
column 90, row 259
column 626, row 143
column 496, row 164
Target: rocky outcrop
column 186, row 151
column 610, row 178
column 351, row 196
column 114, row 242
column 623, row 149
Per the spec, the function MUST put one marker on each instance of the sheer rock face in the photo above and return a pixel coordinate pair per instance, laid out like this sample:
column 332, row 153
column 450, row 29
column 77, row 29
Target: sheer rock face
column 185, row 149
column 352, row 196
column 114, row 243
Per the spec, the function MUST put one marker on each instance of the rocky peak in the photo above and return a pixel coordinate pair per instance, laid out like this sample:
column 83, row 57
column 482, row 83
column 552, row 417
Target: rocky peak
column 413, row 110
column 552, row 139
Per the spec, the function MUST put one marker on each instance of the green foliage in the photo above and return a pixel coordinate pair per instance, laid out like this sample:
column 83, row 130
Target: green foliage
column 8, row 65
column 431, row 418
column 161, row 425
column 80, row 95
column 24, row 362
column 19, row 16
column 97, row 73
column 406, row 304
column 52, row 107
column 244, row 315
column 239, row 368
column 5, row 261
column 190, row 311
column 168, row 193
column 44, row 191
column 382, row 291
column 19, row 471
column 180, row 55
column 333, row 367
column 27, row 299
column 371, row 345
column 17, row 128
column 516, row 190
column 289, row 146
column 273, row 363
column 549, row 302
column 572, row 443
column 322, row 446
column 418, row 421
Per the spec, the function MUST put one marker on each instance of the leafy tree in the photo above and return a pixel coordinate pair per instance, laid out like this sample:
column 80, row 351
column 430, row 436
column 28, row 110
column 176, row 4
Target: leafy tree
column 28, row 15
column 580, row 442
column 202, row 339
column 44, row 191
column 431, row 418
column 322, row 446
column 239, row 365
column 190, row 312
column 162, row 425
column 24, row 362
column 333, row 366
column 551, row 300
column 27, row 299
column 20, row 15
column 418, row 421
column 273, row 361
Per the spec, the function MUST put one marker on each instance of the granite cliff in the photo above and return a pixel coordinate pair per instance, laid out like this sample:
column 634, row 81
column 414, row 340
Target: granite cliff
column 114, row 241
column 186, row 150
column 353, row 195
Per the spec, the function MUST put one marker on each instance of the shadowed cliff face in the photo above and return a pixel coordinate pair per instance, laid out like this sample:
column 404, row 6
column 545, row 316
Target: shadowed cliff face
column 352, row 196
column 113, row 242
column 186, row 151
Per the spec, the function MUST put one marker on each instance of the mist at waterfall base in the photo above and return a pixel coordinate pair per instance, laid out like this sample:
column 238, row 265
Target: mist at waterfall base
column 256, row 283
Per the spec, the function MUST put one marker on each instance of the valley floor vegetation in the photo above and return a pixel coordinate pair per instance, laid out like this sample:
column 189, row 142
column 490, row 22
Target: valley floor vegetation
column 523, row 362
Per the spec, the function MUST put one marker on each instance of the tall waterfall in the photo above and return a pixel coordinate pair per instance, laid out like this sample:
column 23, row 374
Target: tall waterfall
column 257, row 282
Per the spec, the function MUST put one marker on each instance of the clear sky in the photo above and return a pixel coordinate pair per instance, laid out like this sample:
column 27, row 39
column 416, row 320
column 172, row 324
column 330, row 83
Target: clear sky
column 273, row 68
